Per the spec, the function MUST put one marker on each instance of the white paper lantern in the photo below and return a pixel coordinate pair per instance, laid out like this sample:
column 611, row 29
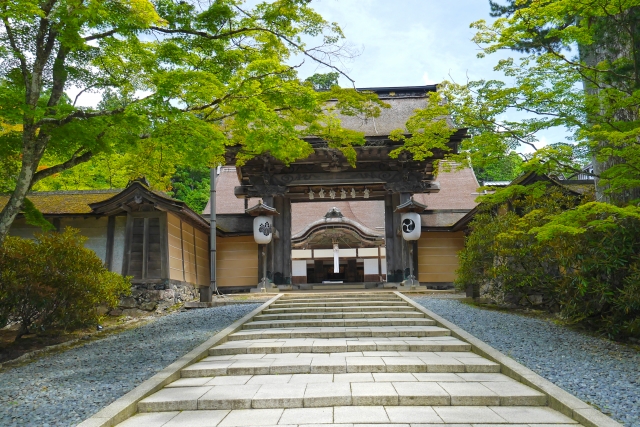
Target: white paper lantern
column 263, row 229
column 411, row 226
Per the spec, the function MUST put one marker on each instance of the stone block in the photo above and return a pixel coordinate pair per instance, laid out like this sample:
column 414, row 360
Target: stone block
column 365, row 364
column 252, row 417
column 127, row 302
column 196, row 418
column 360, row 414
column 327, row 394
column 307, row 416
column 225, row 397
column 412, row 414
column 370, row 394
column 531, row 415
column 421, row 393
column 279, row 396
column 173, row 399
column 468, row 414
column 470, row 394
column 148, row 306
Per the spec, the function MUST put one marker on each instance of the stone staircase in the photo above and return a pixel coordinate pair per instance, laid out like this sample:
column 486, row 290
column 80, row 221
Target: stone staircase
column 347, row 359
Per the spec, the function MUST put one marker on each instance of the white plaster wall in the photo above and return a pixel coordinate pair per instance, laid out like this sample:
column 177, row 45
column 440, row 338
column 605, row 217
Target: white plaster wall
column 94, row 229
column 20, row 228
column 371, row 266
column 119, row 237
column 299, row 268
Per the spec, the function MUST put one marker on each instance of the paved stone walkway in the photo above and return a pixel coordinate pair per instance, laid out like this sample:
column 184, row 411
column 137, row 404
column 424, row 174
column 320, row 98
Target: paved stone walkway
column 347, row 359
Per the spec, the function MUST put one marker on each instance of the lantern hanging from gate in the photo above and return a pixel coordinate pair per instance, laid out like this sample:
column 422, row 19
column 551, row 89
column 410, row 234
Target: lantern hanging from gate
column 411, row 226
column 410, row 219
column 262, row 223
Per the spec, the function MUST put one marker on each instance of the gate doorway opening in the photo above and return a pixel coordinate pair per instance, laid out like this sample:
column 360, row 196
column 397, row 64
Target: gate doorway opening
column 337, row 250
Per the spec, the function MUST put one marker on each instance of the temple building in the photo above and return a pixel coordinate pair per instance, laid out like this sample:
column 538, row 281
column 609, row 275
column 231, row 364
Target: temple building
column 336, row 226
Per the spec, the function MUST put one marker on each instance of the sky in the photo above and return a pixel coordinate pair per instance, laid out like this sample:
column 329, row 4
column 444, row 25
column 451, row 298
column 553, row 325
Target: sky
column 409, row 42
column 406, row 43
column 415, row 42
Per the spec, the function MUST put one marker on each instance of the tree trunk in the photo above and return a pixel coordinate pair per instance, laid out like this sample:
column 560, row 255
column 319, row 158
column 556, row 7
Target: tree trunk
column 617, row 37
column 33, row 148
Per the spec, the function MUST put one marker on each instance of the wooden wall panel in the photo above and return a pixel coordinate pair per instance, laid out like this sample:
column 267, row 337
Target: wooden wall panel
column 176, row 272
column 202, row 258
column 237, row 259
column 438, row 256
column 188, row 253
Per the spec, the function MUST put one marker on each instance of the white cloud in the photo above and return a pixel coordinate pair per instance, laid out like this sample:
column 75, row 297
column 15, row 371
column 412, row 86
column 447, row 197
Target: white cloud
column 427, row 80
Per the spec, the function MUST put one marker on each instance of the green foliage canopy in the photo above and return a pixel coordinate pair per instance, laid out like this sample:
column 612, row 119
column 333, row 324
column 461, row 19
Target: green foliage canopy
column 578, row 68
column 181, row 83
column 584, row 256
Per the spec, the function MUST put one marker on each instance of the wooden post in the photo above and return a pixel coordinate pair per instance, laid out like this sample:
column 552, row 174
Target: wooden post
column 389, row 232
column 206, row 293
column 282, row 246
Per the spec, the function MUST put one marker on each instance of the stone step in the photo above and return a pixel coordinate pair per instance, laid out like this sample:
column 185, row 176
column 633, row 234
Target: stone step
column 263, row 324
column 265, row 394
column 358, row 416
column 346, row 309
column 338, row 363
column 341, row 315
column 355, row 303
column 338, row 286
column 389, row 297
column 390, row 347
column 340, row 378
column 340, row 332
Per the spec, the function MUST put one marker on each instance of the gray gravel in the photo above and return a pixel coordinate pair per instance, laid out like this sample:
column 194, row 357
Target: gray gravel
column 600, row 372
column 66, row 388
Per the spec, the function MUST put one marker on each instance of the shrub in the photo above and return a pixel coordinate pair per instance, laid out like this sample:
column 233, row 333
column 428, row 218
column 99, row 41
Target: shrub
column 584, row 257
column 54, row 281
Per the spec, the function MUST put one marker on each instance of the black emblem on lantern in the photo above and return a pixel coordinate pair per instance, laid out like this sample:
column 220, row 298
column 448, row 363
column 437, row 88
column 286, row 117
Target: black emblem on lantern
column 265, row 228
column 408, row 225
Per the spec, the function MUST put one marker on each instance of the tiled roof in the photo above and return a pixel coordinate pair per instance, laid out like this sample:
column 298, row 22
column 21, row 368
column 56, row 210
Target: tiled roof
column 226, row 201
column 458, row 190
column 390, row 118
column 65, row 202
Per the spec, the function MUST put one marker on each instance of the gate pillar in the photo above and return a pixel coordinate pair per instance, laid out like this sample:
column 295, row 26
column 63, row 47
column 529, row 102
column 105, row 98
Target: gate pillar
column 282, row 245
column 396, row 246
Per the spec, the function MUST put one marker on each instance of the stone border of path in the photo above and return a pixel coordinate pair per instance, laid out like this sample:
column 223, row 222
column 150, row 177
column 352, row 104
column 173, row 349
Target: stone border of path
column 559, row 399
column 126, row 406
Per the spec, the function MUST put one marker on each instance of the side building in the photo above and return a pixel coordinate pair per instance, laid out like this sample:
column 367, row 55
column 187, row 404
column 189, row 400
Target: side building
column 158, row 241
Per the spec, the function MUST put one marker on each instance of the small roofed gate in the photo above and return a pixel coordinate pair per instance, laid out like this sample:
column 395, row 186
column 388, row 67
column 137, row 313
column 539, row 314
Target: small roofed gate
column 164, row 239
column 326, row 175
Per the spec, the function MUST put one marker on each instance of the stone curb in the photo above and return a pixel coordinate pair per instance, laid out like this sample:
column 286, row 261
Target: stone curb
column 126, row 406
column 559, row 399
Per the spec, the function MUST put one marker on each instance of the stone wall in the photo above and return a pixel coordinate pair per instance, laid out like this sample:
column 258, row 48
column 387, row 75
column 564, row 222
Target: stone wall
column 146, row 298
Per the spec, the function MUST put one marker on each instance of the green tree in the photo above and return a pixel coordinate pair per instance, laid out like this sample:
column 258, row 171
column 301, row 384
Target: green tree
column 578, row 68
column 191, row 185
column 181, row 83
column 323, row 81
column 502, row 168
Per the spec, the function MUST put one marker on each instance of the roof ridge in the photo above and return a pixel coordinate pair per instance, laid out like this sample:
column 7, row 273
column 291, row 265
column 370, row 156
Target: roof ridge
column 69, row 192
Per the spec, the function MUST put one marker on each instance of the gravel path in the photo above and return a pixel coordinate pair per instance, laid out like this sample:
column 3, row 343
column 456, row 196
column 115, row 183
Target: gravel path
column 66, row 388
column 599, row 372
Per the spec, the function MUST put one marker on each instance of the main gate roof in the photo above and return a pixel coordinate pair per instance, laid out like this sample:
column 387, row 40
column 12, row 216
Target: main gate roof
column 327, row 171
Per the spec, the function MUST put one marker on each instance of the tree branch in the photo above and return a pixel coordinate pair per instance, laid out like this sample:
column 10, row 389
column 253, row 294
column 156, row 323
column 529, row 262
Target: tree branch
column 254, row 29
column 16, row 51
column 101, row 35
column 79, row 114
column 76, row 159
